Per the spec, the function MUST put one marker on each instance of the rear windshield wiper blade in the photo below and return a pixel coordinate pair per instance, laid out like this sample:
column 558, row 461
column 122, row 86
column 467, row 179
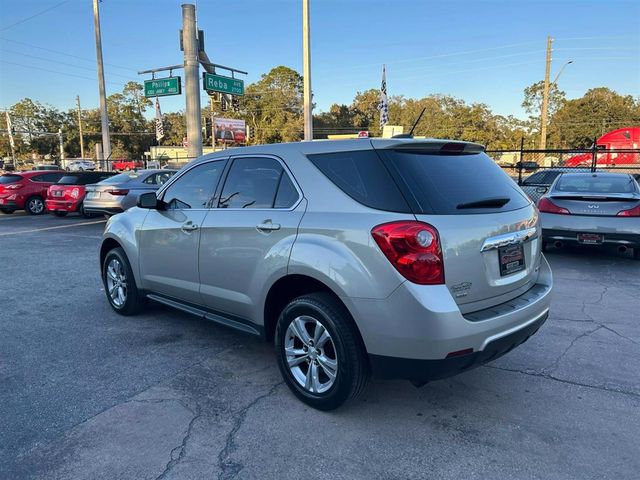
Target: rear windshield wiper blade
column 493, row 202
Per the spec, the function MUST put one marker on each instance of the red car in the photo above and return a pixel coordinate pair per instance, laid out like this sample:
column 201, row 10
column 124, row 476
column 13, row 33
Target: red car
column 126, row 165
column 67, row 195
column 26, row 190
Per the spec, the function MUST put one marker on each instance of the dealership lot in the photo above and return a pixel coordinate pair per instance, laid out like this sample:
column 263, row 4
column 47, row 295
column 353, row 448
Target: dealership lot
column 85, row 393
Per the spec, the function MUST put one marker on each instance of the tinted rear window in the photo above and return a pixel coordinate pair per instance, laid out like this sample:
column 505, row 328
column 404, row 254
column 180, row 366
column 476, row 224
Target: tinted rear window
column 596, row 184
column 363, row 177
column 440, row 184
column 4, row 179
column 120, row 178
column 84, row 178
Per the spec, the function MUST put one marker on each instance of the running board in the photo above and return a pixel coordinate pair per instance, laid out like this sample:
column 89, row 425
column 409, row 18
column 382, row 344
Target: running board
column 199, row 312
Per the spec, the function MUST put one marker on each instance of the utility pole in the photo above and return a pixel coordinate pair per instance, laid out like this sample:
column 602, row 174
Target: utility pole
column 80, row 126
column 306, row 55
column 104, row 117
column 61, row 145
column 192, row 81
column 545, row 97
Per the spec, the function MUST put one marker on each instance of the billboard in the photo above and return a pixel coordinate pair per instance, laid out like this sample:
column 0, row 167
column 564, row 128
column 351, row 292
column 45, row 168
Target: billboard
column 229, row 130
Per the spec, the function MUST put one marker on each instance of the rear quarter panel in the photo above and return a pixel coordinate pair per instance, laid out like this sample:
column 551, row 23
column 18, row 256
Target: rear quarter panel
column 125, row 229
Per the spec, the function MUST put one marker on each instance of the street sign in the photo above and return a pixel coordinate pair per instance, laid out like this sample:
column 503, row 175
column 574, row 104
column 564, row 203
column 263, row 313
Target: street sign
column 218, row 83
column 161, row 87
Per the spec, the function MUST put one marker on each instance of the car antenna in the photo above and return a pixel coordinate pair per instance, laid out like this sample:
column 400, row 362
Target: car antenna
column 415, row 124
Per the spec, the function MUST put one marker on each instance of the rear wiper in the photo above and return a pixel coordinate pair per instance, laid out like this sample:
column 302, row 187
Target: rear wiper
column 493, row 202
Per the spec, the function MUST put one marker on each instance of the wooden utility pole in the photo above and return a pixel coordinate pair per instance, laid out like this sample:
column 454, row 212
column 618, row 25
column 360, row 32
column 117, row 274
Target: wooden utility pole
column 306, row 57
column 545, row 98
column 104, row 117
column 80, row 127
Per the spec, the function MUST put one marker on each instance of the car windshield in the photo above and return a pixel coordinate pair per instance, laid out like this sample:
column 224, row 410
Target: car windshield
column 120, row 178
column 596, row 184
column 4, row 179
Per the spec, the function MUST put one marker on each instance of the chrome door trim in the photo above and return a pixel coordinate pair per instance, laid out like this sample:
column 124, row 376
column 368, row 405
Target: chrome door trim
column 512, row 238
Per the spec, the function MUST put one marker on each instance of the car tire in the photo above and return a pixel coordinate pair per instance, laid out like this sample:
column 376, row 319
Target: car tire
column 338, row 352
column 119, row 283
column 60, row 214
column 83, row 212
column 7, row 211
column 34, row 205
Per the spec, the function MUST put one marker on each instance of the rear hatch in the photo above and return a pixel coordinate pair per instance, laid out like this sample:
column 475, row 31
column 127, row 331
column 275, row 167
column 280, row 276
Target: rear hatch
column 9, row 182
column 488, row 228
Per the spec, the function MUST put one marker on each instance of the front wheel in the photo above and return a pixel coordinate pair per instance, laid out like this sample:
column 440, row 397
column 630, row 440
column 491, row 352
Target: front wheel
column 119, row 283
column 320, row 353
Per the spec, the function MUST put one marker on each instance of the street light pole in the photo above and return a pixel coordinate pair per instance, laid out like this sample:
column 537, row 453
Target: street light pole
column 104, row 117
column 80, row 127
column 191, row 81
column 555, row 80
column 306, row 56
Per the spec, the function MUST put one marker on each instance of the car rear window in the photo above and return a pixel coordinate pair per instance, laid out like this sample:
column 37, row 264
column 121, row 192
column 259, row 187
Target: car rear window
column 596, row 184
column 4, row 179
column 84, row 178
column 120, row 178
column 453, row 183
column 362, row 176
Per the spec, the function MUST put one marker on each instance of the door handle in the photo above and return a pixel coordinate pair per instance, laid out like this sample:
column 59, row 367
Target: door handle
column 268, row 226
column 189, row 227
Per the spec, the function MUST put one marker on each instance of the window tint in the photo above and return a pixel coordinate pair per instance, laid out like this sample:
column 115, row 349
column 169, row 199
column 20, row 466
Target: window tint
column 363, row 177
column 596, row 184
column 251, row 183
column 120, row 178
column 69, row 180
column 195, row 187
column 51, row 177
column 534, row 179
column 439, row 184
column 287, row 194
column 5, row 179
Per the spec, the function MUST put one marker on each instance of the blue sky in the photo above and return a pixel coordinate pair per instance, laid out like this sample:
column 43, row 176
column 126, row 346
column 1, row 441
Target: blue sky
column 479, row 50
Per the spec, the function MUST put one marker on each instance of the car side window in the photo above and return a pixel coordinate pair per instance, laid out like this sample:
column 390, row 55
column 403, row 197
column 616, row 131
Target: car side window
column 253, row 182
column 287, row 194
column 533, row 179
column 158, row 178
column 194, row 188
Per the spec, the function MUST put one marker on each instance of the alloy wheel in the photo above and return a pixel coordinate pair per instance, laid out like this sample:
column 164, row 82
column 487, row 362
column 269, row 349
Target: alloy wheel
column 311, row 354
column 36, row 205
column 116, row 280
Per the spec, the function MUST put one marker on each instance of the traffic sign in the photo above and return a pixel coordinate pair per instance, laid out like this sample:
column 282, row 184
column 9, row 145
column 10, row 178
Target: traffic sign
column 218, row 83
column 161, row 87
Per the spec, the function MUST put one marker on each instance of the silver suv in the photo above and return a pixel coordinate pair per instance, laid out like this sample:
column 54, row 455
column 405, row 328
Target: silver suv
column 407, row 258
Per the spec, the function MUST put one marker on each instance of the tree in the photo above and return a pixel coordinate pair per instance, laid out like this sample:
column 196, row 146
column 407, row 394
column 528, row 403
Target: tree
column 533, row 97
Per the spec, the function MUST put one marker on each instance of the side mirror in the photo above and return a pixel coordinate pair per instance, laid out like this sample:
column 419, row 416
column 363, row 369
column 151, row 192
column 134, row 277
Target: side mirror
column 148, row 200
column 541, row 189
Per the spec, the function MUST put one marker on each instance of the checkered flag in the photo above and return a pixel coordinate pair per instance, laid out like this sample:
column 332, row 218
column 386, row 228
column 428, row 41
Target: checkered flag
column 159, row 126
column 383, row 106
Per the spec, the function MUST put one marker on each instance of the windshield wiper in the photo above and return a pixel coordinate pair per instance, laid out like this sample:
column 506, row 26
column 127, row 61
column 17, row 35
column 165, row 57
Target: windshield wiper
column 493, row 202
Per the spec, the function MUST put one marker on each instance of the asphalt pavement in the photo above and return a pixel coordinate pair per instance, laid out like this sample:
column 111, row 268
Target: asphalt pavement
column 85, row 393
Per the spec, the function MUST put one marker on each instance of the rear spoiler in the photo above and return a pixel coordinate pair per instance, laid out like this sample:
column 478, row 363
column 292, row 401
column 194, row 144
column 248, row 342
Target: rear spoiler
column 435, row 147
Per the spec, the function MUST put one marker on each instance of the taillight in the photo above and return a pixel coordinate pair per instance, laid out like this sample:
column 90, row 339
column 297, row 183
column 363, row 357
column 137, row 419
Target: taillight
column 413, row 248
column 14, row 186
column 547, row 206
column 118, row 192
column 632, row 212
column 75, row 193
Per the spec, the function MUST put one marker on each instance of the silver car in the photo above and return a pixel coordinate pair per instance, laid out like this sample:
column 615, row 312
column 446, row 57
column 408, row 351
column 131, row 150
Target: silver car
column 81, row 166
column 398, row 257
column 592, row 209
column 121, row 192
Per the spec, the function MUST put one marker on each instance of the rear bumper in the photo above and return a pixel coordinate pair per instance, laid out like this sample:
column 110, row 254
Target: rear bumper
column 571, row 237
column 427, row 370
column 10, row 204
column 61, row 206
column 103, row 210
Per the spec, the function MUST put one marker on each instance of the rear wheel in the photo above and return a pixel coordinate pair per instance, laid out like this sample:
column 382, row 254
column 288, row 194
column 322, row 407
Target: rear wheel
column 60, row 214
column 34, row 205
column 83, row 212
column 320, row 353
column 119, row 283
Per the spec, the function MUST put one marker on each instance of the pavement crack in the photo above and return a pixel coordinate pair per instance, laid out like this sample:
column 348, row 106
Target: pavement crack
column 229, row 469
column 619, row 334
column 554, row 366
column 562, row 380
column 181, row 449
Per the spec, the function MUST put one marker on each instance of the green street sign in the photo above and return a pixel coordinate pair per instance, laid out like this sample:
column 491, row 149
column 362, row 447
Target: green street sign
column 218, row 83
column 161, row 87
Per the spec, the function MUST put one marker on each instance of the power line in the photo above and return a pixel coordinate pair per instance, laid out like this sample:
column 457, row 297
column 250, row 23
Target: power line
column 34, row 15
column 54, row 71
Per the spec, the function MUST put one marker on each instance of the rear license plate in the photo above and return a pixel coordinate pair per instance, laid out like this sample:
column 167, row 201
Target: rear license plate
column 511, row 259
column 590, row 238
column 57, row 193
column 93, row 195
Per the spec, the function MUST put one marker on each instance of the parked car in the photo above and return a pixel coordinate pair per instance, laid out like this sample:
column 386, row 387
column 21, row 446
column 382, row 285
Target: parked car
column 81, row 166
column 624, row 139
column 416, row 259
column 46, row 166
column 126, row 165
column 592, row 209
column 26, row 190
column 68, row 194
column 538, row 184
column 527, row 166
column 119, row 193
